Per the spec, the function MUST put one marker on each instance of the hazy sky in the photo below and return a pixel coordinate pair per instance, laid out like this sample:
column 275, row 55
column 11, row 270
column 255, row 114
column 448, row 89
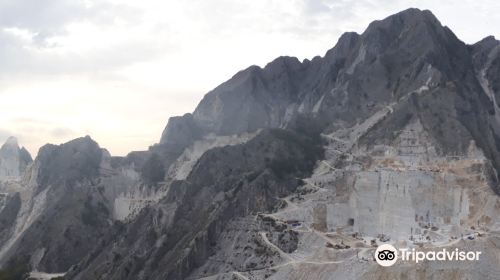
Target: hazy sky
column 117, row 70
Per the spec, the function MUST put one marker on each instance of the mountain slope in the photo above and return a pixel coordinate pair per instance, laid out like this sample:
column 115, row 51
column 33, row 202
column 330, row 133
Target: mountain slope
column 406, row 53
column 226, row 183
column 62, row 206
column 411, row 135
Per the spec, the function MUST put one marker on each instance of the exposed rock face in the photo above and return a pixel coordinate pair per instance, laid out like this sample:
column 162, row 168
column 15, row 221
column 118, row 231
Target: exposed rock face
column 167, row 241
column 152, row 182
column 11, row 204
column 486, row 58
column 405, row 53
column 180, row 131
column 13, row 160
column 67, row 164
column 65, row 203
column 13, row 163
column 62, row 211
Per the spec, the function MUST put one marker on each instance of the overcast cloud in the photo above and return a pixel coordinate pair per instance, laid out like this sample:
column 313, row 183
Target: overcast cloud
column 116, row 70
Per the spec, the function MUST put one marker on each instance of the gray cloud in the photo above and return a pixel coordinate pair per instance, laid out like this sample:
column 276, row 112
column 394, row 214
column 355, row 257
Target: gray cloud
column 44, row 17
column 47, row 18
column 316, row 6
column 62, row 132
column 4, row 134
column 42, row 20
column 18, row 60
column 12, row 55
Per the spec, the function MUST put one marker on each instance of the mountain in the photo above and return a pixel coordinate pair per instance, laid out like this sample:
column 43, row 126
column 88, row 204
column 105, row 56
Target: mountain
column 65, row 201
column 58, row 198
column 297, row 170
column 168, row 240
column 410, row 120
column 361, row 75
column 13, row 160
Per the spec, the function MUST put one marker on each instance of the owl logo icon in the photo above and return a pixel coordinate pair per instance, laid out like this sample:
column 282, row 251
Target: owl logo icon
column 386, row 255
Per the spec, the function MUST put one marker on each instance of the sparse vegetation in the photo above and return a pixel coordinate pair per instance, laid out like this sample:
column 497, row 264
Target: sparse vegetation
column 153, row 170
column 16, row 269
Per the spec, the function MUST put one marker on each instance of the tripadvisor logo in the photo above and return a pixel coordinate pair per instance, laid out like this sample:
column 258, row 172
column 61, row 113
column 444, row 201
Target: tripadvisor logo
column 388, row 255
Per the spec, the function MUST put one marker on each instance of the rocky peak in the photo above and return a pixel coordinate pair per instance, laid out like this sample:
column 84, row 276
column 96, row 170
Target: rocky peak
column 68, row 163
column 11, row 145
column 411, row 22
column 283, row 64
column 344, row 46
column 13, row 159
column 179, row 131
column 484, row 51
column 400, row 53
column 11, row 141
column 418, row 34
column 488, row 41
column 404, row 19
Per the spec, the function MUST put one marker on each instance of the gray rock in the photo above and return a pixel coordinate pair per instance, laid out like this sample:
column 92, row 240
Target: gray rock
column 225, row 184
column 13, row 160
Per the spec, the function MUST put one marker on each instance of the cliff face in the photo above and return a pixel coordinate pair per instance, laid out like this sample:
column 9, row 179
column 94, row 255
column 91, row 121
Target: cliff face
column 59, row 211
column 407, row 52
column 64, row 203
column 13, row 160
column 169, row 240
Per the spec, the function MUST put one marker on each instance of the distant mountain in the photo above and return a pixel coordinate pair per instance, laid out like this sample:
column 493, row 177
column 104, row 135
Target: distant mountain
column 13, row 160
column 407, row 52
column 297, row 170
